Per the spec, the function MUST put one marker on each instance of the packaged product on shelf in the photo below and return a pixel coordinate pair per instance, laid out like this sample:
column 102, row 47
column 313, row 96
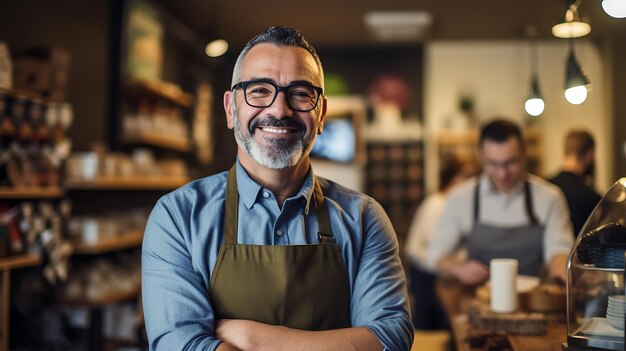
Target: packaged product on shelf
column 43, row 70
column 6, row 72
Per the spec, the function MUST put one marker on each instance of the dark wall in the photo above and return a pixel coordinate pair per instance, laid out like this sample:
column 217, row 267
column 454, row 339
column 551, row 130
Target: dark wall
column 359, row 66
column 82, row 28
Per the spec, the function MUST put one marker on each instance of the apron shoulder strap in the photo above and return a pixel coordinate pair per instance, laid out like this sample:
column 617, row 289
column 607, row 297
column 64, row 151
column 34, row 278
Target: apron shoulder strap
column 232, row 203
column 476, row 201
column 323, row 220
column 530, row 210
column 528, row 200
column 232, row 206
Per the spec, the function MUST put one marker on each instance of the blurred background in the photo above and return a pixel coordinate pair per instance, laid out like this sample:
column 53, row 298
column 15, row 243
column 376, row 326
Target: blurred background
column 107, row 105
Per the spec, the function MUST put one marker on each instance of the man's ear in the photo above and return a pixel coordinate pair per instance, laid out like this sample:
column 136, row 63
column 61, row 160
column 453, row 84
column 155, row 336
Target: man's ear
column 320, row 126
column 229, row 101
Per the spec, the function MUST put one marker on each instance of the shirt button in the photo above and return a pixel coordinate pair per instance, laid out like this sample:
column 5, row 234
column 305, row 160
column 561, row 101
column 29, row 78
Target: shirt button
column 266, row 194
column 279, row 232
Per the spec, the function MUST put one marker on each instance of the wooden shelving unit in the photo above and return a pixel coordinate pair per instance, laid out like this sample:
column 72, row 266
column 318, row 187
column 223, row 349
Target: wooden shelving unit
column 105, row 300
column 158, row 140
column 19, row 261
column 395, row 179
column 19, row 193
column 6, row 265
column 22, row 93
column 163, row 90
column 130, row 183
column 115, row 243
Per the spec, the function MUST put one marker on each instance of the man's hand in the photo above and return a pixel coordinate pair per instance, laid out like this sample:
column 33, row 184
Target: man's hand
column 235, row 332
column 558, row 268
column 471, row 273
column 249, row 335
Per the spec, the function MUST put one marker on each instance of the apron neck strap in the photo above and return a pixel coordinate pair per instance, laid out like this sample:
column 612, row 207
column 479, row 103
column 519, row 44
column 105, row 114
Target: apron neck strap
column 232, row 208
column 528, row 201
column 232, row 203
column 530, row 210
column 323, row 221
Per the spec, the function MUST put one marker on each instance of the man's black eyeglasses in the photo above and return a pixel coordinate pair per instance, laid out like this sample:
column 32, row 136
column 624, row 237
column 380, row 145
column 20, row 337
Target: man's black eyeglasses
column 301, row 97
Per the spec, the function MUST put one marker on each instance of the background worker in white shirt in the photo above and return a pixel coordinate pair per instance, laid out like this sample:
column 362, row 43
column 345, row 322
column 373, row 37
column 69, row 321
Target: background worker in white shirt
column 505, row 212
column 426, row 309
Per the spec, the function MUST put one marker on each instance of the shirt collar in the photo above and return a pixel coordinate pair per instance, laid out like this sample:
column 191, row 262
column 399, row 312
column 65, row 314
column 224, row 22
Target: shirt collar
column 487, row 187
column 249, row 189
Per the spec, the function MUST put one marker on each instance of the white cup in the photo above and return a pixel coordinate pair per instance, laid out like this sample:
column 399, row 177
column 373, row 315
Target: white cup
column 503, row 277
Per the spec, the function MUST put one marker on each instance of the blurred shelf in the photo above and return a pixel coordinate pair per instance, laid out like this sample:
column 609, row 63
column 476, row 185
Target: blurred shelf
column 7, row 193
column 458, row 137
column 106, row 300
column 158, row 140
column 115, row 243
column 127, row 183
column 345, row 104
column 19, row 261
column 22, row 93
column 168, row 91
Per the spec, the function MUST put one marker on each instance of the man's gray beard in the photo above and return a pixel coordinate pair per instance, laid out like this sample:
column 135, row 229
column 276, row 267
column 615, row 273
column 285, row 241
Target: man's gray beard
column 279, row 154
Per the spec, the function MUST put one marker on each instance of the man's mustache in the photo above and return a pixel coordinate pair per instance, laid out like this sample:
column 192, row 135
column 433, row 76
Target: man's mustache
column 275, row 122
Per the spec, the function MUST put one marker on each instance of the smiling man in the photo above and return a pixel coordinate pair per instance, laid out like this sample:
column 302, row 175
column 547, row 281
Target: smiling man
column 503, row 213
column 267, row 256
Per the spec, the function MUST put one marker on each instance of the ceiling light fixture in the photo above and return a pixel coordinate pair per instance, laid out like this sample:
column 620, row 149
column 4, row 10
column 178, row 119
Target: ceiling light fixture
column 576, row 82
column 398, row 26
column 572, row 26
column 216, row 48
column 614, row 8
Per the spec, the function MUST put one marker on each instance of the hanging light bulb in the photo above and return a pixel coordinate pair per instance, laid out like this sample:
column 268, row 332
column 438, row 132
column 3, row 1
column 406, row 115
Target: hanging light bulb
column 572, row 26
column 576, row 80
column 216, row 48
column 614, row 8
column 534, row 104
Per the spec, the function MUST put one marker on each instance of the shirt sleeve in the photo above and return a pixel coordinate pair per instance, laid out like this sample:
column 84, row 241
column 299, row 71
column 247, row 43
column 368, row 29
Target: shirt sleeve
column 176, row 305
column 558, row 237
column 422, row 227
column 447, row 233
column 379, row 294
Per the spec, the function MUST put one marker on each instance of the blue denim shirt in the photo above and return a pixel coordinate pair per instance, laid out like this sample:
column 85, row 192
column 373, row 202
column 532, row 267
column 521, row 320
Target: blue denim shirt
column 185, row 231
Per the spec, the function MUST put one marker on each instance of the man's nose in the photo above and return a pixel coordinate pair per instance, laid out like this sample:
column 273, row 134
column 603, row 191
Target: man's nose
column 280, row 108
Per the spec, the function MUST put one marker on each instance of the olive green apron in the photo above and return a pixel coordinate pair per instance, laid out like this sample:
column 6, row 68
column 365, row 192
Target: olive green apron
column 297, row 286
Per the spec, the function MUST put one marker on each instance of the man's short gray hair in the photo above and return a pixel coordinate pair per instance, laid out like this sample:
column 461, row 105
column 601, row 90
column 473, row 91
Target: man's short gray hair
column 280, row 36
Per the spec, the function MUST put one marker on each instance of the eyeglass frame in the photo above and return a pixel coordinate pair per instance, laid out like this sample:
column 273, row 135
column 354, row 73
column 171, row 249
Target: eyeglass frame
column 244, row 84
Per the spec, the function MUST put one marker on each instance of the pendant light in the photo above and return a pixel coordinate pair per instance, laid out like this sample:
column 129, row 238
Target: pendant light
column 572, row 26
column 614, row 8
column 534, row 105
column 576, row 81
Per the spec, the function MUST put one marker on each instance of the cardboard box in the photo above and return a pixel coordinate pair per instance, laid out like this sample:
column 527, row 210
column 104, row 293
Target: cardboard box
column 44, row 71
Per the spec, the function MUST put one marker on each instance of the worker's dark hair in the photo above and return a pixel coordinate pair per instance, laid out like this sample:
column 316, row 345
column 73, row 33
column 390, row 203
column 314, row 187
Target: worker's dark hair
column 500, row 130
column 578, row 142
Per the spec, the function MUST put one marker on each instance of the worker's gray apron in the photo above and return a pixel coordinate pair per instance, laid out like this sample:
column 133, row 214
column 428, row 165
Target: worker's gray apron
column 524, row 243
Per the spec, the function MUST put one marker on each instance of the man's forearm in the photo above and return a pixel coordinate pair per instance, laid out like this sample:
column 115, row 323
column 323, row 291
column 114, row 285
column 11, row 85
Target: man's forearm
column 249, row 335
column 446, row 267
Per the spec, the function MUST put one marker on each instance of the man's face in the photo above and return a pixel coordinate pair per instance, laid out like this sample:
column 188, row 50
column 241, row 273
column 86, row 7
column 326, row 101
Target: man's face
column 275, row 136
column 504, row 163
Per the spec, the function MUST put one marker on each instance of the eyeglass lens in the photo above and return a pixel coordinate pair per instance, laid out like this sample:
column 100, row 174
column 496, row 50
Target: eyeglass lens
column 263, row 94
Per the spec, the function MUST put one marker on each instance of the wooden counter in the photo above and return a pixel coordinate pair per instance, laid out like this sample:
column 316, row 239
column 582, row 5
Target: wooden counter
column 456, row 300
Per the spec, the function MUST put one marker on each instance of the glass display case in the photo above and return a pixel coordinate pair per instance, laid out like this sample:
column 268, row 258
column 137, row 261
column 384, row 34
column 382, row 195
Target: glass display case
column 595, row 285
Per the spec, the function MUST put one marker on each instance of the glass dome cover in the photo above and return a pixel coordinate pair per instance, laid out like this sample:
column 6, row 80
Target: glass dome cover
column 595, row 277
